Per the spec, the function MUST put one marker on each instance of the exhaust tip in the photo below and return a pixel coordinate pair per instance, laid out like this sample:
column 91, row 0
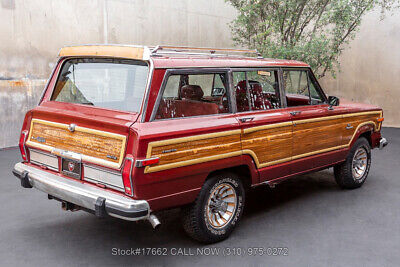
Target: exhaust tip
column 154, row 221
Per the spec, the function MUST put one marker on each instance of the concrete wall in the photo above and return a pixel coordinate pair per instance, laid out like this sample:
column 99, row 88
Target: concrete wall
column 370, row 67
column 32, row 32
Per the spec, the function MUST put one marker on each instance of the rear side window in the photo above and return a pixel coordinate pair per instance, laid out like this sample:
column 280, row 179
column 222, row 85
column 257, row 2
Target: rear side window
column 108, row 83
column 188, row 95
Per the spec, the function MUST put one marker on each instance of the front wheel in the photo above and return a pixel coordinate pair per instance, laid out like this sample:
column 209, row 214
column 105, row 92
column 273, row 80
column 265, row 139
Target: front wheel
column 354, row 171
column 217, row 209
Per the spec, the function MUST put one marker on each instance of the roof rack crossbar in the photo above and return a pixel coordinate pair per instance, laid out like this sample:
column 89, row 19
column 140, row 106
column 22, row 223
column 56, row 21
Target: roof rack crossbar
column 184, row 49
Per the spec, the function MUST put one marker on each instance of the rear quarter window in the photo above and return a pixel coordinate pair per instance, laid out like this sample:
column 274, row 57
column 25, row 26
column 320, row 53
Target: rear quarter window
column 189, row 95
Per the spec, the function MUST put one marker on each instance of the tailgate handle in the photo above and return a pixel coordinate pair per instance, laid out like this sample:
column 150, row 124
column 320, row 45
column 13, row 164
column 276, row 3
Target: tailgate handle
column 247, row 119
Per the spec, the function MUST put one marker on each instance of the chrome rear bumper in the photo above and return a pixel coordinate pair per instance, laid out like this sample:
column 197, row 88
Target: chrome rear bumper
column 382, row 143
column 100, row 201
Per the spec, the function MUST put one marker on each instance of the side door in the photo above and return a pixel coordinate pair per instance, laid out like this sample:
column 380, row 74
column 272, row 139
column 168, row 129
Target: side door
column 192, row 131
column 317, row 128
column 266, row 125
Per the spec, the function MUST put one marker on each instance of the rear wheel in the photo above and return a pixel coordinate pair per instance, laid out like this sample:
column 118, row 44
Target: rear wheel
column 217, row 209
column 354, row 171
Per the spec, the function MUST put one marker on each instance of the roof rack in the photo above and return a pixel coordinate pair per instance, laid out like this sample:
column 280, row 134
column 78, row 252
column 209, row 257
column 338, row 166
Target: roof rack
column 165, row 49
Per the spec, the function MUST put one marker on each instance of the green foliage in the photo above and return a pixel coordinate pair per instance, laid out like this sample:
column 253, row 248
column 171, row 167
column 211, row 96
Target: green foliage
column 313, row 31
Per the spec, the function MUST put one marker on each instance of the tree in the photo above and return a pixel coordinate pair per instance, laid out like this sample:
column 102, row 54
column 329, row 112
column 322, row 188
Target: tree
column 313, row 31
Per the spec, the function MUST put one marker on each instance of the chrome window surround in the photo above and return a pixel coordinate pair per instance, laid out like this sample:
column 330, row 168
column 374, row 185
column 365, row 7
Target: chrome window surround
column 189, row 71
column 147, row 91
column 44, row 159
column 102, row 176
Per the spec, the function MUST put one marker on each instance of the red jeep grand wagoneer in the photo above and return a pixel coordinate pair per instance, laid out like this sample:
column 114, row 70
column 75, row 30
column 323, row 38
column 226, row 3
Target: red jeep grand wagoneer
column 126, row 131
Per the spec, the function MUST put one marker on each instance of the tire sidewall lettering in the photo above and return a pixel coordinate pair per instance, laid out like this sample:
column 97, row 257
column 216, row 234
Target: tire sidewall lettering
column 238, row 211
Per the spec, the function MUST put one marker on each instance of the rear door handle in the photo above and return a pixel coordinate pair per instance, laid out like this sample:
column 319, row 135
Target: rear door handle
column 294, row 113
column 247, row 119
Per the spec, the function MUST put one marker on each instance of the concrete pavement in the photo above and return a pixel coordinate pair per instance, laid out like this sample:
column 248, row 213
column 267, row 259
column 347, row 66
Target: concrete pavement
column 318, row 223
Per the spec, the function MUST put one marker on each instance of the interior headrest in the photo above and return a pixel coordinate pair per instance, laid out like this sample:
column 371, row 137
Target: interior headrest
column 241, row 88
column 255, row 87
column 192, row 92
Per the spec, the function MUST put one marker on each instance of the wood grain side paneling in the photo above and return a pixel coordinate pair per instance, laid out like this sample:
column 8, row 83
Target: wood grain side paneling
column 319, row 135
column 355, row 122
column 270, row 146
column 179, row 152
column 316, row 135
column 105, row 146
column 267, row 144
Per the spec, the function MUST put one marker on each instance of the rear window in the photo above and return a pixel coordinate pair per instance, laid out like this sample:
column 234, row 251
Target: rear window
column 107, row 83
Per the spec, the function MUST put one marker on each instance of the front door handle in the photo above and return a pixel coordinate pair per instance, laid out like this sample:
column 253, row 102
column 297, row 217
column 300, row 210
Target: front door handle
column 294, row 113
column 247, row 119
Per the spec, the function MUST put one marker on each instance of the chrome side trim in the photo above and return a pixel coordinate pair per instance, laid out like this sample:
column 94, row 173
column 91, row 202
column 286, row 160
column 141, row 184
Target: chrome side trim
column 147, row 91
column 139, row 163
column 83, row 195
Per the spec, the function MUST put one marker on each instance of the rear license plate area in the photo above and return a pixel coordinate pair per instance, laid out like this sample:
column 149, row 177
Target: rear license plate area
column 71, row 168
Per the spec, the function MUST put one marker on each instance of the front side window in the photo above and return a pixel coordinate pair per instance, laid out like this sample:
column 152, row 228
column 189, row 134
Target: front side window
column 256, row 90
column 188, row 95
column 300, row 89
column 107, row 83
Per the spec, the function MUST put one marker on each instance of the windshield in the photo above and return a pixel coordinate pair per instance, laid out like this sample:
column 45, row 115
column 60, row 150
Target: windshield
column 108, row 83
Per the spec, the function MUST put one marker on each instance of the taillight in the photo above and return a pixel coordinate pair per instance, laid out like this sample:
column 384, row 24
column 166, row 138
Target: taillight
column 22, row 147
column 127, row 175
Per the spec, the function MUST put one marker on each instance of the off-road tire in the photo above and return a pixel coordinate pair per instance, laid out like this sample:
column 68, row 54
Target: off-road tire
column 343, row 172
column 195, row 218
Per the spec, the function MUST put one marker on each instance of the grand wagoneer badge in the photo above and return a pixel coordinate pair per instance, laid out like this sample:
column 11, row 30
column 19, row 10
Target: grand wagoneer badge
column 39, row 139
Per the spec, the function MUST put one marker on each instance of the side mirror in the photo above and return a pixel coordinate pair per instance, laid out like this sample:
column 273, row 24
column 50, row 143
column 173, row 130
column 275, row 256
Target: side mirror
column 333, row 101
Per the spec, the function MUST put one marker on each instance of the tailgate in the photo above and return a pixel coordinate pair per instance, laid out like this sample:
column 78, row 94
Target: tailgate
column 95, row 146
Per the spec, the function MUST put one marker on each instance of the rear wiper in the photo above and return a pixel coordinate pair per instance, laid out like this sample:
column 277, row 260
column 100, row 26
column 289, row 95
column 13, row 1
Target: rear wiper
column 88, row 103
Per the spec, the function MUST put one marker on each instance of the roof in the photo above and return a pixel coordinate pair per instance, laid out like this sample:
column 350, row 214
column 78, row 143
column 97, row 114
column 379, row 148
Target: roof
column 120, row 51
column 180, row 57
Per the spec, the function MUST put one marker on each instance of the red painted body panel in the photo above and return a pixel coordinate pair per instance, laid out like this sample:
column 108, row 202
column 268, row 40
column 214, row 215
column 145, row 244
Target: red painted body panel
column 314, row 163
column 179, row 186
column 175, row 187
